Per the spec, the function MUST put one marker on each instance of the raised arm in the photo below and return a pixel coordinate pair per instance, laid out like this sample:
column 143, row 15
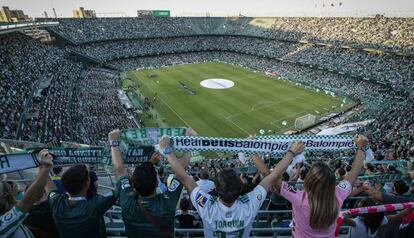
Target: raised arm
column 117, row 161
column 260, row 165
column 176, row 166
column 360, row 141
column 274, row 178
column 37, row 188
column 400, row 215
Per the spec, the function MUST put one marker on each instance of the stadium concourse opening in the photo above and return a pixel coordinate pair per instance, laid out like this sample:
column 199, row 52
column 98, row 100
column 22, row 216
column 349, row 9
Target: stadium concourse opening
column 217, row 83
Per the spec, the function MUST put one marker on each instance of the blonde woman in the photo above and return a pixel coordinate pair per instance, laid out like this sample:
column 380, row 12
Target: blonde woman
column 316, row 207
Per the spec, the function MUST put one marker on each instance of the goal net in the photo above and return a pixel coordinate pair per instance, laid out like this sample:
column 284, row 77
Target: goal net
column 304, row 121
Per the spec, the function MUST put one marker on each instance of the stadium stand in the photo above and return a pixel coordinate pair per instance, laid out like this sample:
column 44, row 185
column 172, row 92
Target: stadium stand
column 47, row 96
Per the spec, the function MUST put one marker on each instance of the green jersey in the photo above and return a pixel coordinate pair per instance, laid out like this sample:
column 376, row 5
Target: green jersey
column 161, row 207
column 83, row 218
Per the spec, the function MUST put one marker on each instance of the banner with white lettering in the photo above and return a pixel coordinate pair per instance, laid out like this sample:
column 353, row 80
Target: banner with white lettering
column 262, row 145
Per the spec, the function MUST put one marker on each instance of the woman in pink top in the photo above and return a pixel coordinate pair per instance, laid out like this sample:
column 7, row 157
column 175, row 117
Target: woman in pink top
column 316, row 208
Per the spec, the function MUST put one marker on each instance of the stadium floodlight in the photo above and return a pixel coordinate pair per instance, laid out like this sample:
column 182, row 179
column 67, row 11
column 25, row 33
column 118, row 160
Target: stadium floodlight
column 304, row 121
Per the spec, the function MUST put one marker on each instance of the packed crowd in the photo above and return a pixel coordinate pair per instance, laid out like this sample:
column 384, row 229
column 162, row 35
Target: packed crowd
column 220, row 202
column 23, row 62
column 48, row 97
column 99, row 106
column 397, row 71
column 98, row 29
column 377, row 32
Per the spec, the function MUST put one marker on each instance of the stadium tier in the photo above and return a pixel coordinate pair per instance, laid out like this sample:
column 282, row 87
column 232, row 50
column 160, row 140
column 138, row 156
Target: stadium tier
column 274, row 80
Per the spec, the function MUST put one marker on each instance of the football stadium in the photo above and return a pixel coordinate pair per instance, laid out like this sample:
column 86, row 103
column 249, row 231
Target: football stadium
column 227, row 100
column 219, row 119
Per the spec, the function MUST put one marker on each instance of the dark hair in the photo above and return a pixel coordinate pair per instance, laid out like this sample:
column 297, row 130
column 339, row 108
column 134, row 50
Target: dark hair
column 161, row 171
column 303, row 172
column 348, row 168
column 372, row 221
column 370, row 166
column 391, row 168
column 341, row 171
column 57, row 170
column 75, row 178
column 228, row 185
column 204, row 174
column 184, row 204
column 401, row 187
column 285, row 177
column 144, row 179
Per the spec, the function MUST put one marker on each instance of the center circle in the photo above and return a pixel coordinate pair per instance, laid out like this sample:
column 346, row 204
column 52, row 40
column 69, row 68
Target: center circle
column 217, row 83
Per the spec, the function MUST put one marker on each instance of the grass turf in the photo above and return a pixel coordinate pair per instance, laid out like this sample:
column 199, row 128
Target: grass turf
column 255, row 102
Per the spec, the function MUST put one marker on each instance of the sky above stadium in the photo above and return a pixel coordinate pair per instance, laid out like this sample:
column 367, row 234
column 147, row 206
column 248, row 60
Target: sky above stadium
column 394, row 8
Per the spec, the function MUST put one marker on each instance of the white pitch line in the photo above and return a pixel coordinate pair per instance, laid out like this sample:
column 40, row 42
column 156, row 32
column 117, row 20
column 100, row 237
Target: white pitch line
column 291, row 115
column 238, row 126
column 166, row 104
column 260, row 103
column 173, row 111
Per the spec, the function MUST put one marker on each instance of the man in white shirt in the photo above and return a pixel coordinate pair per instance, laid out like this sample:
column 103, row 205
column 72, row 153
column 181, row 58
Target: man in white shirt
column 229, row 214
column 204, row 183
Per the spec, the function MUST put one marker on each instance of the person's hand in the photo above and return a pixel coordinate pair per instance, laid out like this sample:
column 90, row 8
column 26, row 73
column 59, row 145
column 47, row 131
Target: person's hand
column 361, row 141
column 164, row 142
column 190, row 132
column 378, row 185
column 114, row 135
column 45, row 158
column 297, row 147
column 366, row 184
column 374, row 193
column 155, row 157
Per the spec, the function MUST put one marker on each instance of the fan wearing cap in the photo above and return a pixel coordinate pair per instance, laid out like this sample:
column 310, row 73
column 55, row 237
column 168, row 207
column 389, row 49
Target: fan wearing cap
column 12, row 213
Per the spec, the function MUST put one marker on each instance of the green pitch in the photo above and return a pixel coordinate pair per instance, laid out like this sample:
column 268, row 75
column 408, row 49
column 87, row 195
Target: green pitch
column 255, row 102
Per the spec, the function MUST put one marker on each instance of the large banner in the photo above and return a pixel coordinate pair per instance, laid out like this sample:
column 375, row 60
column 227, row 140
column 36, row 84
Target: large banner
column 344, row 128
column 262, row 145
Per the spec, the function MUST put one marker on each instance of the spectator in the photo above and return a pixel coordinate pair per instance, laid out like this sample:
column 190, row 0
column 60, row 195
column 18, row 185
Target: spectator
column 373, row 225
column 204, row 183
column 145, row 212
column 186, row 218
column 40, row 220
column 226, row 213
column 278, row 202
column 57, row 178
column 316, row 208
column 400, row 188
column 12, row 215
column 74, row 214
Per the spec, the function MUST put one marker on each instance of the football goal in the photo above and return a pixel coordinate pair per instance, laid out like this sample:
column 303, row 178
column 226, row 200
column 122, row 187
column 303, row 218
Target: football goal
column 304, row 121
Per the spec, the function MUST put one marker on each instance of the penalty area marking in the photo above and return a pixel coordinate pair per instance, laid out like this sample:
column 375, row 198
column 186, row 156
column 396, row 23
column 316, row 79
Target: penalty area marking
column 216, row 83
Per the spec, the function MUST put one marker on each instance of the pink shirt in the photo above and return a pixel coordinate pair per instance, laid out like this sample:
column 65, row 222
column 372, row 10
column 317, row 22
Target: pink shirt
column 301, row 211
